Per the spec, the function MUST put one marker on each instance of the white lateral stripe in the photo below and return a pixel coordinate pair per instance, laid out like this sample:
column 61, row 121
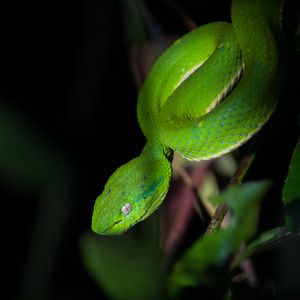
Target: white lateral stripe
column 226, row 90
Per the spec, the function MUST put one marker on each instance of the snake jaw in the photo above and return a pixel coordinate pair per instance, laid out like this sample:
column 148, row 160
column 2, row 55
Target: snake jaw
column 117, row 228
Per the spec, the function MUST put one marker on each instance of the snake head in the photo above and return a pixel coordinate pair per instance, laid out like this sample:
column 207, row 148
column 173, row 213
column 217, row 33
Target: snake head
column 131, row 194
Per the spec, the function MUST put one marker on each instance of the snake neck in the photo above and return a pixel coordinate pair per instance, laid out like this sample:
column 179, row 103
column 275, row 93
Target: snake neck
column 154, row 150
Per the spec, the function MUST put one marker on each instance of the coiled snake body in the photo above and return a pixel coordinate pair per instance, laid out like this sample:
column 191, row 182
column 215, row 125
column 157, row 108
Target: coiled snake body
column 210, row 91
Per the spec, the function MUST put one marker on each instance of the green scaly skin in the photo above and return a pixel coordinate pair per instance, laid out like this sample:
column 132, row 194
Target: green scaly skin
column 211, row 91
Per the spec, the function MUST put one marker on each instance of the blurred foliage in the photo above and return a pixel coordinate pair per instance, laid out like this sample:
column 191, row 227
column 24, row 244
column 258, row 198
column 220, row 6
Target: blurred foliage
column 200, row 263
column 125, row 267
column 291, row 191
column 265, row 240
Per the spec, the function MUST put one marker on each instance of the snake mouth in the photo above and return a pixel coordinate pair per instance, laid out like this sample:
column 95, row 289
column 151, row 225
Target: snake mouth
column 117, row 222
column 108, row 229
column 112, row 230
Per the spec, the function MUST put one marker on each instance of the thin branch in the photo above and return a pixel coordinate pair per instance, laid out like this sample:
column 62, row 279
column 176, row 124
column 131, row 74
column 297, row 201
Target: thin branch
column 222, row 209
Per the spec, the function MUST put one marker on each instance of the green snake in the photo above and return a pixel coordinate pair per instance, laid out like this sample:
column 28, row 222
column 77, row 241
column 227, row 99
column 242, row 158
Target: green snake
column 207, row 94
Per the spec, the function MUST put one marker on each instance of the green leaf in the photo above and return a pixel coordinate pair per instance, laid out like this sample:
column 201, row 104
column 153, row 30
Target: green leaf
column 244, row 203
column 123, row 267
column 193, row 269
column 263, row 242
column 212, row 251
column 291, row 189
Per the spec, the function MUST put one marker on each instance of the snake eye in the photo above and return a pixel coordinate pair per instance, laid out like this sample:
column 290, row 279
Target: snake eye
column 126, row 209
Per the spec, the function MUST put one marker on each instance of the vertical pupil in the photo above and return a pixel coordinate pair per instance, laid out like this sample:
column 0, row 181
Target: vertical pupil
column 126, row 209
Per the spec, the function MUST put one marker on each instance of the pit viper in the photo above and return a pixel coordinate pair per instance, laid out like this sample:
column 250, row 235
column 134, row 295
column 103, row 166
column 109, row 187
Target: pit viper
column 207, row 94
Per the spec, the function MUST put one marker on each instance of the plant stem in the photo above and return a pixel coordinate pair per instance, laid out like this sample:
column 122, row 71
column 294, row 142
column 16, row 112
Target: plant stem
column 237, row 178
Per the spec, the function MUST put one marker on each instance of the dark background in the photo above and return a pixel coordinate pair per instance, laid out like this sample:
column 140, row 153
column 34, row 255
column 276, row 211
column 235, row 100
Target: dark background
column 65, row 71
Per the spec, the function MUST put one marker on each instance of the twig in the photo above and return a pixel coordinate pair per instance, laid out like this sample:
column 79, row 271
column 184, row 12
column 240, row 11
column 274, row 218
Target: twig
column 222, row 209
